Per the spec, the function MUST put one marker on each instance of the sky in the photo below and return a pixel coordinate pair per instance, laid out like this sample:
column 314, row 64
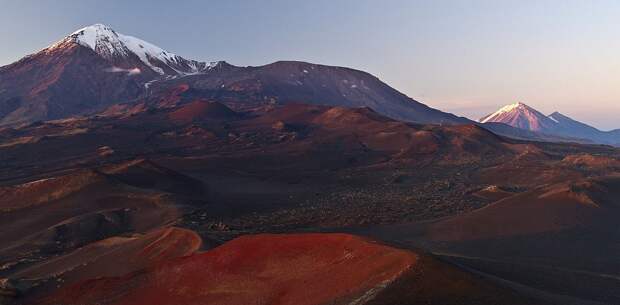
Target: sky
column 465, row 57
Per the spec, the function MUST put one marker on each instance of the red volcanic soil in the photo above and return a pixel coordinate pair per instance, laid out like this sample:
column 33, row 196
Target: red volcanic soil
column 264, row 269
column 45, row 190
column 114, row 256
column 292, row 269
column 261, row 269
column 546, row 209
column 51, row 216
column 363, row 126
column 202, row 110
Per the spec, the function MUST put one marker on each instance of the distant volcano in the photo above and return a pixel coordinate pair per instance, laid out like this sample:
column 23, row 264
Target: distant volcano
column 522, row 116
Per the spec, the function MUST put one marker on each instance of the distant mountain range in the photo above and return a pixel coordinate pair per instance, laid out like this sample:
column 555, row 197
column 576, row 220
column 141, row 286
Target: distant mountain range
column 96, row 67
column 522, row 116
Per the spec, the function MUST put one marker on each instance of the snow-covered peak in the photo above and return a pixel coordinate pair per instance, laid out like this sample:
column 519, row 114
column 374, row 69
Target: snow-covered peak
column 98, row 36
column 506, row 109
column 112, row 45
column 521, row 116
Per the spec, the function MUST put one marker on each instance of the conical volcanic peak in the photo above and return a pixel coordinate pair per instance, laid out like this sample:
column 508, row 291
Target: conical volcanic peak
column 116, row 47
column 521, row 116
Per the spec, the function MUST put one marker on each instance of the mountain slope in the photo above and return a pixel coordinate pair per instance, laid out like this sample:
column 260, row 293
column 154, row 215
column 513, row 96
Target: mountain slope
column 550, row 208
column 566, row 125
column 61, row 82
column 286, row 82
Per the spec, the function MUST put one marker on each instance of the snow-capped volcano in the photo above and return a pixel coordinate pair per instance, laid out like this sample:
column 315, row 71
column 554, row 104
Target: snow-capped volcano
column 88, row 70
column 121, row 49
column 521, row 116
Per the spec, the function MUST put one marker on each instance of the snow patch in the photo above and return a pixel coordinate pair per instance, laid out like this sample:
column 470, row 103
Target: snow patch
column 149, row 83
column 553, row 119
column 134, row 71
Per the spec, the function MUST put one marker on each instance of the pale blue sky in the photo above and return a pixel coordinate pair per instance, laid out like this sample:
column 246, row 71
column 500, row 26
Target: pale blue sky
column 466, row 57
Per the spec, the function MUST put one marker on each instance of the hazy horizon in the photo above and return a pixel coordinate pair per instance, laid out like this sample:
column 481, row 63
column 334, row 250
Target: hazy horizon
column 468, row 58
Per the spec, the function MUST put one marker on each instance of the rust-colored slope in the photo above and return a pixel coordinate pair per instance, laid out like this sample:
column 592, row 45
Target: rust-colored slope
column 44, row 190
column 263, row 269
column 117, row 256
column 52, row 216
column 114, row 256
column 292, row 269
